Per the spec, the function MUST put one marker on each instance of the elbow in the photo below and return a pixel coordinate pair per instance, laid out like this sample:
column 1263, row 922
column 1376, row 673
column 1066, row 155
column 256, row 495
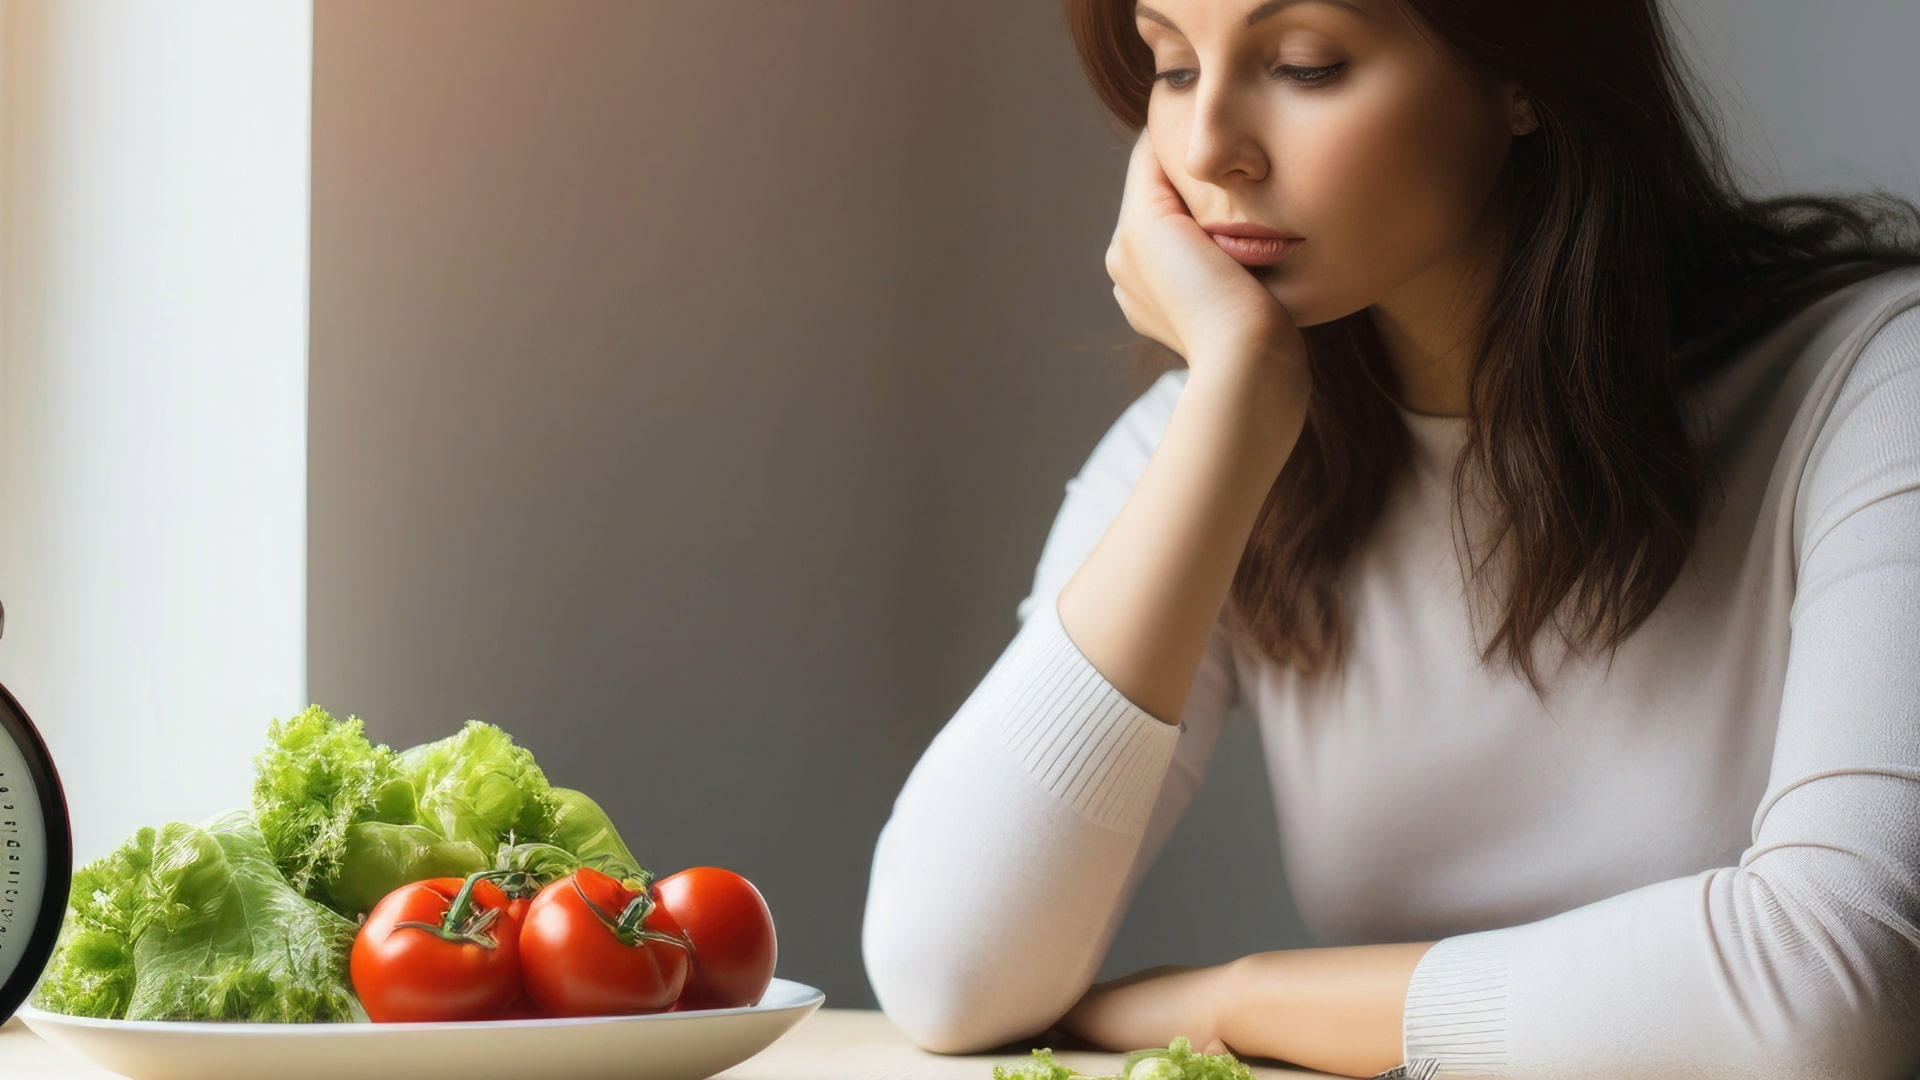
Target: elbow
column 945, row 1003
column 1847, row 1038
column 937, row 1026
column 1845, row 949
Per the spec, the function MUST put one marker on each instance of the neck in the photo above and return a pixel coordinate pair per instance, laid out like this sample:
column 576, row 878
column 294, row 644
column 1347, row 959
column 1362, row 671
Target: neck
column 1431, row 326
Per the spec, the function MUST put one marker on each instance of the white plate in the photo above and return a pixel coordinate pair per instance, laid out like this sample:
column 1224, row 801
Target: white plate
column 689, row 1045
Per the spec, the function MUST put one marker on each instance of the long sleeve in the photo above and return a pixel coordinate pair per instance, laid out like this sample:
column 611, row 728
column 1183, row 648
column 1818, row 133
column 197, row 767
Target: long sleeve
column 1803, row 960
column 1020, row 836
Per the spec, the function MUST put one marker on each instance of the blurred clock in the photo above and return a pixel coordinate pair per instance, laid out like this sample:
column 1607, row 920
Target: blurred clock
column 36, row 853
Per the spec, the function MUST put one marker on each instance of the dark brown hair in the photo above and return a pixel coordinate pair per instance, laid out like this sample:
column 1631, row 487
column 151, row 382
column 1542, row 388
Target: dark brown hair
column 1636, row 267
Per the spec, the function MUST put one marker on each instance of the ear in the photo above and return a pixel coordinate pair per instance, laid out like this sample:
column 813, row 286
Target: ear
column 1523, row 118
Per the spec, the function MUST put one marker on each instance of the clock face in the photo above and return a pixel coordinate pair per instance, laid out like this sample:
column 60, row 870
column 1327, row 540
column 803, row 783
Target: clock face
column 36, row 858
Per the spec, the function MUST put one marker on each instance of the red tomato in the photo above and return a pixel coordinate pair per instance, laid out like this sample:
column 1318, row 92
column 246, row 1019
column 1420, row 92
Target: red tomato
column 593, row 947
column 522, row 1008
column 732, row 933
column 520, row 893
column 440, row 949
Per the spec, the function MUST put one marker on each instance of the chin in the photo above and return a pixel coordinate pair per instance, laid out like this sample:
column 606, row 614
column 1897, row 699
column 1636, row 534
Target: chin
column 1307, row 301
column 1305, row 309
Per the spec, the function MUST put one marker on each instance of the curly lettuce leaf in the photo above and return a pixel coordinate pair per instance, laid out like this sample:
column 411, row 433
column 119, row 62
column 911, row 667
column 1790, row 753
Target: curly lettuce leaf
column 317, row 778
column 1042, row 1067
column 349, row 820
column 476, row 786
column 110, row 900
column 1178, row 1061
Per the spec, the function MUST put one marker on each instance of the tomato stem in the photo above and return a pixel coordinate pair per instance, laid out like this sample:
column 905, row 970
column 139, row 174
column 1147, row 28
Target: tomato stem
column 628, row 927
column 461, row 924
column 605, row 862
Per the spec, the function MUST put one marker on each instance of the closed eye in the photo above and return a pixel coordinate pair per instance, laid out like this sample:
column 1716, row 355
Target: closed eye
column 1305, row 76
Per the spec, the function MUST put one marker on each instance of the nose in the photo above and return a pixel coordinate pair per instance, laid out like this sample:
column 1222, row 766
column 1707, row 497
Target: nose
column 1221, row 142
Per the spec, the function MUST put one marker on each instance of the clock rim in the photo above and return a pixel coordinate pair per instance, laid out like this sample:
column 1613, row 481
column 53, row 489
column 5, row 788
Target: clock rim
column 59, row 830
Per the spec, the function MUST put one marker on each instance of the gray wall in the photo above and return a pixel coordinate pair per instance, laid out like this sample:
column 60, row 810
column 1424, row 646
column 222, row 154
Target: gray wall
column 692, row 386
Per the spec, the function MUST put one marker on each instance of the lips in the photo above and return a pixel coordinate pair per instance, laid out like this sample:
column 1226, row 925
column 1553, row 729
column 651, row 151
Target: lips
column 1245, row 228
column 1257, row 250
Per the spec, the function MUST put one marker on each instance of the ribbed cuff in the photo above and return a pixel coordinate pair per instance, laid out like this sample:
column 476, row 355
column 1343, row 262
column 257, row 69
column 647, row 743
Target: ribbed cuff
column 1456, row 1011
column 1073, row 731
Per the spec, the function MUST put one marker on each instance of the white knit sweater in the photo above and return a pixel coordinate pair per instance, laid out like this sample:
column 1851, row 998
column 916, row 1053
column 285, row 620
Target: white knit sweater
column 1702, row 862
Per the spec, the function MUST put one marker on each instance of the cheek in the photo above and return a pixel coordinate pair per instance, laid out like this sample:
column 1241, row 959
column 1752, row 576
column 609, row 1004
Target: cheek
column 1392, row 176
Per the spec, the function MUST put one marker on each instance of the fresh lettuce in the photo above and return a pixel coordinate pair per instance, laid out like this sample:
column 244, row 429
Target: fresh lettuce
column 109, row 902
column 539, row 864
column 1177, row 1061
column 581, row 828
column 198, row 923
column 251, row 915
column 1042, row 1067
column 348, row 820
column 476, row 786
column 316, row 779
column 380, row 858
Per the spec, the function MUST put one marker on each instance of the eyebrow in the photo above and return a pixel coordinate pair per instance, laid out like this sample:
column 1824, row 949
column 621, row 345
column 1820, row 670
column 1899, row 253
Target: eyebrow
column 1271, row 7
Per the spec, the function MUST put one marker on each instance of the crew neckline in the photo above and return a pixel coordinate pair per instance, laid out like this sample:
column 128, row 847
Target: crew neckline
column 1426, row 417
column 1436, row 439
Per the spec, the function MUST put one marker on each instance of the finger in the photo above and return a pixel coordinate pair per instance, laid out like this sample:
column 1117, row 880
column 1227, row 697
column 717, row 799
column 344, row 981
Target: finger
column 1147, row 185
column 1148, row 327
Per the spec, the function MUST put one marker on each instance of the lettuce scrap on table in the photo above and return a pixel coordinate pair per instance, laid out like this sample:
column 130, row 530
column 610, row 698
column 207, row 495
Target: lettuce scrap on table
column 1176, row 1061
column 251, row 915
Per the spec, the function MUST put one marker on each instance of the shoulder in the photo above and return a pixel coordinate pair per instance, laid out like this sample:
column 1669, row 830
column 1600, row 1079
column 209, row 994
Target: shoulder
column 1863, row 361
column 1862, row 424
column 1772, row 401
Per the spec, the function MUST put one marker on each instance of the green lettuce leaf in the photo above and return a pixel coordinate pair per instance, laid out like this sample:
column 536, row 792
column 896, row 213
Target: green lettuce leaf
column 198, row 923
column 1176, row 1061
column 1042, row 1067
column 317, row 778
column 541, row 864
column 349, row 820
column 380, row 858
column 477, row 786
column 91, row 970
column 581, row 827
column 1179, row 1062
column 234, row 940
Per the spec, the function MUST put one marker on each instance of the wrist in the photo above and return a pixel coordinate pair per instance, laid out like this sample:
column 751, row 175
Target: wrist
column 1268, row 364
column 1226, row 998
column 1336, row 1009
column 1262, row 405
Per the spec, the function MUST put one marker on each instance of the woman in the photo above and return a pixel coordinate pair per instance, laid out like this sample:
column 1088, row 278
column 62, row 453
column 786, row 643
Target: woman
column 1553, row 509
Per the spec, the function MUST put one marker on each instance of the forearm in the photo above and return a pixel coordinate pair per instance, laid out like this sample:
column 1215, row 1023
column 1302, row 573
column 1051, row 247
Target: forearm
column 1337, row 1010
column 1143, row 604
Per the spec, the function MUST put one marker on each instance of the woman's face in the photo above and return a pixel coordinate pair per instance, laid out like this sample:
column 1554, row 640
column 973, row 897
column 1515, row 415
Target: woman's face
column 1337, row 121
